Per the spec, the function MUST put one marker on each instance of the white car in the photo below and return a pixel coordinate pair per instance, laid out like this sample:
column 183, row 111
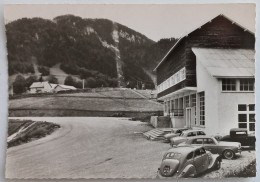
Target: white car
column 185, row 135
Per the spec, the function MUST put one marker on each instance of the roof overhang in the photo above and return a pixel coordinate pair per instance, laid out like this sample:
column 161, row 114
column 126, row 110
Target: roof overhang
column 227, row 63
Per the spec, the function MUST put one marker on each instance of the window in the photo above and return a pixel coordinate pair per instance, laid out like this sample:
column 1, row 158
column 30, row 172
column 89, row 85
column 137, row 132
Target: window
column 168, row 107
column 246, row 116
column 191, row 134
column 208, row 141
column 202, row 151
column 178, row 77
column 189, row 156
column 202, row 108
column 200, row 133
column 172, row 106
column 187, row 101
column 241, row 107
column 251, row 107
column 242, row 121
column 165, row 106
column 197, row 141
column 193, row 104
column 228, row 84
column 247, row 84
column 197, row 153
column 251, row 122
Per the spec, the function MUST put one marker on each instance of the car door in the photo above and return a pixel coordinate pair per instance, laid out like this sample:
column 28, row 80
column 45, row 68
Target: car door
column 210, row 145
column 205, row 159
column 198, row 161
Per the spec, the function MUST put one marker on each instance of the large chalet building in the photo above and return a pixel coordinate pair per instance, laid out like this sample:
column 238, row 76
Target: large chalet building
column 206, row 80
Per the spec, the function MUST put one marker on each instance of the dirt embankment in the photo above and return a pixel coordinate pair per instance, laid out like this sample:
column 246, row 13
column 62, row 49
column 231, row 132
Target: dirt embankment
column 24, row 131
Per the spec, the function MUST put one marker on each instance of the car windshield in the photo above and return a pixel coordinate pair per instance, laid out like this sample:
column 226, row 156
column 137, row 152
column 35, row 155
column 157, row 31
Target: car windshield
column 173, row 155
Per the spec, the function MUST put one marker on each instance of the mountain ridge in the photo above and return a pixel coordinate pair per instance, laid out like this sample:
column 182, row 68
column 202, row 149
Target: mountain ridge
column 107, row 52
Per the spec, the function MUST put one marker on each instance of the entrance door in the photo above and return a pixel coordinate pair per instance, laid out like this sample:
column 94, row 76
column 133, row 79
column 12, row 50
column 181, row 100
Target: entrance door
column 188, row 117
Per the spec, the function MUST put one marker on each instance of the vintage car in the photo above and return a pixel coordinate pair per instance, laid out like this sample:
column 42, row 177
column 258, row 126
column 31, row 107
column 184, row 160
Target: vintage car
column 241, row 135
column 174, row 133
column 187, row 161
column 227, row 150
column 184, row 136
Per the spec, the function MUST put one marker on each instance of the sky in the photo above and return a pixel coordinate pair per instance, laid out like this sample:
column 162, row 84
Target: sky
column 154, row 21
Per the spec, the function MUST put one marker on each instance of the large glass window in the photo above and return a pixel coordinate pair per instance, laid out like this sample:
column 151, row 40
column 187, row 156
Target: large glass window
column 172, row 106
column 247, row 84
column 228, row 85
column 246, row 116
column 202, row 108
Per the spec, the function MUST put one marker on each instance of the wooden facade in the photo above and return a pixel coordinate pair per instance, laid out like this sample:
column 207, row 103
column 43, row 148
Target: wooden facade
column 220, row 32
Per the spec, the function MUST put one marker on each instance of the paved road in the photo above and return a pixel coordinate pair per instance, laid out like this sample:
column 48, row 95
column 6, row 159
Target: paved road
column 88, row 148
column 97, row 148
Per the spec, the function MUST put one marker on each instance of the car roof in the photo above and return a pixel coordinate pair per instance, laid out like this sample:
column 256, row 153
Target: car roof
column 199, row 136
column 183, row 149
column 187, row 131
column 238, row 129
column 174, row 129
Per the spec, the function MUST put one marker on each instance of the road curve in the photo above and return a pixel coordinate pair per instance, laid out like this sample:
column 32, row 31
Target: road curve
column 87, row 147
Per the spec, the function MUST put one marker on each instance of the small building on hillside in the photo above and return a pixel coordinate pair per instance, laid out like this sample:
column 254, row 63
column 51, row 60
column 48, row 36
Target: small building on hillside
column 206, row 80
column 46, row 87
column 59, row 87
column 41, row 87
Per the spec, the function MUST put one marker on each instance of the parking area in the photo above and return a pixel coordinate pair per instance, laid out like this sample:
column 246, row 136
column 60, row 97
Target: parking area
column 96, row 147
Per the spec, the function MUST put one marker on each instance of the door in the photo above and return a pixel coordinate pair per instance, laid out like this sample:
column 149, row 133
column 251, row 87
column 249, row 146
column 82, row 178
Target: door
column 188, row 117
column 200, row 160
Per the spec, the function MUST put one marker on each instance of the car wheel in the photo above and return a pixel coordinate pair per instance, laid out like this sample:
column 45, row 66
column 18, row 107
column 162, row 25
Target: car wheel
column 228, row 154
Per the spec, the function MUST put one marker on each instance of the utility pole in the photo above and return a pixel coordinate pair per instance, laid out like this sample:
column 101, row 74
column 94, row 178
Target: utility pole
column 83, row 83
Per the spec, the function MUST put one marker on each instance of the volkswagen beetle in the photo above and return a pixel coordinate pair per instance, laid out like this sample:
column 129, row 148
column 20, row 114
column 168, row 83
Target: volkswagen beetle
column 187, row 161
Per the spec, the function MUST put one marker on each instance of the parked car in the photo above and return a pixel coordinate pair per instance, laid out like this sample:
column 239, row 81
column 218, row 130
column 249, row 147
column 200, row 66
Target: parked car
column 227, row 150
column 185, row 135
column 174, row 133
column 187, row 161
column 241, row 135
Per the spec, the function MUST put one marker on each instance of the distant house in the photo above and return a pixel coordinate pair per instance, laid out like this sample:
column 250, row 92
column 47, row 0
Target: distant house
column 41, row 87
column 59, row 87
column 46, row 87
column 206, row 80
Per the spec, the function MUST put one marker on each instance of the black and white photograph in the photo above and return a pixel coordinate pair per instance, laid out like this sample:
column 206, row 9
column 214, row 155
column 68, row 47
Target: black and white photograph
column 130, row 91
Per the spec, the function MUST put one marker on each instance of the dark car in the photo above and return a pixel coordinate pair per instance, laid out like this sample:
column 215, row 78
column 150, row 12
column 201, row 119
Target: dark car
column 226, row 149
column 187, row 161
column 241, row 135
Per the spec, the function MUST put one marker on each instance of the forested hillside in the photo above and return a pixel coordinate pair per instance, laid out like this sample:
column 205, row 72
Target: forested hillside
column 102, row 52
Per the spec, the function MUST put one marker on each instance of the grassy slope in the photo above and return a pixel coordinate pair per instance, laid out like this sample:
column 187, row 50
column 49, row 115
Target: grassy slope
column 107, row 101
column 36, row 131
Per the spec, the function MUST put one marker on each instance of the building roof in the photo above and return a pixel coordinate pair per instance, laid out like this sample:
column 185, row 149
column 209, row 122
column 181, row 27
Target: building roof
column 181, row 38
column 39, row 84
column 66, row 87
column 227, row 62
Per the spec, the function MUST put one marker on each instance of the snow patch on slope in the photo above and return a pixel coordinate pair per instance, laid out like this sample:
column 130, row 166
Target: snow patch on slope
column 89, row 30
